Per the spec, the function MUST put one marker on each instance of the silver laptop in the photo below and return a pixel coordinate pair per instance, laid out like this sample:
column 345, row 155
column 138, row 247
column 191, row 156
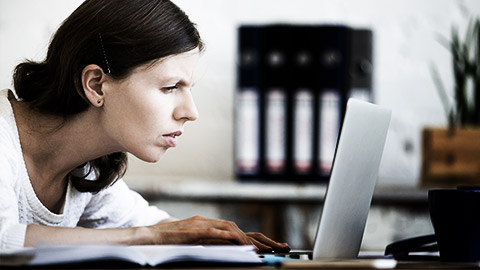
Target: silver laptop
column 352, row 181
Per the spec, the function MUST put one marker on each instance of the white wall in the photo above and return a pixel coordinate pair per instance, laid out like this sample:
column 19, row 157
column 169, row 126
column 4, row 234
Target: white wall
column 405, row 33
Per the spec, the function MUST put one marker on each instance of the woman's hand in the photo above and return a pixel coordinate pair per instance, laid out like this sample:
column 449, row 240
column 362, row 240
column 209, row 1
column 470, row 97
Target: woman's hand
column 197, row 230
column 266, row 245
column 205, row 231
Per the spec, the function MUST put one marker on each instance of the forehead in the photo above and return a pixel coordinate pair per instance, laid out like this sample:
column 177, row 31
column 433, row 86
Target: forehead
column 182, row 64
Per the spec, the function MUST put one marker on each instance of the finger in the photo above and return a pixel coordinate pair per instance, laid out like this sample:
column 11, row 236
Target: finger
column 231, row 226
column 213, row 233
column 209, row 242
column 261, row 248
column 279, row 247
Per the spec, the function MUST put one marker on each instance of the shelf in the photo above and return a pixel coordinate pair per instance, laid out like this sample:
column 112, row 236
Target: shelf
column 231, row 191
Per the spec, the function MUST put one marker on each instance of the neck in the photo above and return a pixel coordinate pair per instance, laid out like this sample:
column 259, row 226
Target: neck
column 54, row 146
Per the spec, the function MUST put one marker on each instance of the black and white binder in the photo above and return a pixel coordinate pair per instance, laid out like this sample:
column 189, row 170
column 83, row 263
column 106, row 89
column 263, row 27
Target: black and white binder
column 333, row 56
column 248, row 103
column 304, row 104
column 276, row 101
column 361, row 64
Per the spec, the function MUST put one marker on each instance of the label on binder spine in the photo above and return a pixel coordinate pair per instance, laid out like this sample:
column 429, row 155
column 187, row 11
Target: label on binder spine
column 303, row 131
column 329, row 128
column 275, row 130
column 360, row 93
column 247, row 131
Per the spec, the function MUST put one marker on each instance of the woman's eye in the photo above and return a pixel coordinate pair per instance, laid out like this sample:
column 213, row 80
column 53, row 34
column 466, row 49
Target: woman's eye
column 169, row 89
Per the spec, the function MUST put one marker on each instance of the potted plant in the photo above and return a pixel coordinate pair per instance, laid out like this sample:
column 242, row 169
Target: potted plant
column 451, row 156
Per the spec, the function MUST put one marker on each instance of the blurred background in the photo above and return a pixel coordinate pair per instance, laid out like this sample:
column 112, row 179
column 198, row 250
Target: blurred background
column 198, row 177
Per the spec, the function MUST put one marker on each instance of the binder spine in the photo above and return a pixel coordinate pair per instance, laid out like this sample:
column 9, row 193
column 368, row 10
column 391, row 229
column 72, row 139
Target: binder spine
column 334, row 52
column 248, row 104
column 277, row 102
column 304, row 104
column 361, row 64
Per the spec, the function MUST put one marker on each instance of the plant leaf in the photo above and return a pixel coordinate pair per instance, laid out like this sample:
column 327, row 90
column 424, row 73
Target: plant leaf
column 442, row 93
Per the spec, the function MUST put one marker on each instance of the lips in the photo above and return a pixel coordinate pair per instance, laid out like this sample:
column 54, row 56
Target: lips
column 171, row 138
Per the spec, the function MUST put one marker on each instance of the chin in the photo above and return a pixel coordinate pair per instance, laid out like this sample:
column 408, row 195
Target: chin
column 153, row 156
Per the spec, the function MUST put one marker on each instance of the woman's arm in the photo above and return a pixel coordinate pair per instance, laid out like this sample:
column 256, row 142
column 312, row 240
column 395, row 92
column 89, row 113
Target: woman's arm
column 36, row 234
column 195, row 230
column 189, row 231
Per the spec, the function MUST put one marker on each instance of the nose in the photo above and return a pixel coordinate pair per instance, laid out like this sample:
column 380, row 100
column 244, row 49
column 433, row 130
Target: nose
column 186, row 109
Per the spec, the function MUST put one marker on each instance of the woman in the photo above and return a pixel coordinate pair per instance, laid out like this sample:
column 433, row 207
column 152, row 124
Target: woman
column 116, row 79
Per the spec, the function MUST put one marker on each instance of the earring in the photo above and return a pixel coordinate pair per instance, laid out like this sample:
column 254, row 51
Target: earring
column 99, row 101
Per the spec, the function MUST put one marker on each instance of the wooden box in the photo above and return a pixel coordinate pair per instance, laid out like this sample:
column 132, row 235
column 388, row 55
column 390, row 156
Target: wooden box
column 450, row 157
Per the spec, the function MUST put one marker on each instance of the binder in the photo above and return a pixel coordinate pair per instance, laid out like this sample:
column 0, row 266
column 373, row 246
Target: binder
column 303, row 135
column 333, row 56
column 276, row 106
column 248, row 103
column 361, row 64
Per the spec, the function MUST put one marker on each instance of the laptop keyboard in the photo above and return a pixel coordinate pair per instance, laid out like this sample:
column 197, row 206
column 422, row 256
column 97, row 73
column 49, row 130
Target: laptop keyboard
column 294, row 254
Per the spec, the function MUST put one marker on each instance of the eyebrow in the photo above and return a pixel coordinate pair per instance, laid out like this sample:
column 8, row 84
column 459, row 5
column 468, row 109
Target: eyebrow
column 179, row 81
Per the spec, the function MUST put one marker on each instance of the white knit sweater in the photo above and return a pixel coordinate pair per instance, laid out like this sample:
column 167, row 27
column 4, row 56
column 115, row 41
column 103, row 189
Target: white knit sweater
column 113, row 207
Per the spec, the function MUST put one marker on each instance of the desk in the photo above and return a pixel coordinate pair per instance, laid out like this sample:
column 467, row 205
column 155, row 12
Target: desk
column 358, row 264
column 313, row 266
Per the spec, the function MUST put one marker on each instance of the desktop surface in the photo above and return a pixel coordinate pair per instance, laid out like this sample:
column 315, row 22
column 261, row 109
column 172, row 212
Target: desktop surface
column 304, row 265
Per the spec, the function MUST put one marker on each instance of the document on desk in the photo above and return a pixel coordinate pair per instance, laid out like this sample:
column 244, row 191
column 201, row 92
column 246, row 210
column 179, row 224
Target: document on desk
column 174, row 255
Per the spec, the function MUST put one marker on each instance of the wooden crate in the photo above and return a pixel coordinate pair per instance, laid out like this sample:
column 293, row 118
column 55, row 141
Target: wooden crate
column 450, row 157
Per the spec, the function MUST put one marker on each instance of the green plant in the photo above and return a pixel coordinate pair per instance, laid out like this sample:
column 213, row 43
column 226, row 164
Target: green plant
column 465, row 110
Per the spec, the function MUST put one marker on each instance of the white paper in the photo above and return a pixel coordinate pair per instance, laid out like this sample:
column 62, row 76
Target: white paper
column 141, row 255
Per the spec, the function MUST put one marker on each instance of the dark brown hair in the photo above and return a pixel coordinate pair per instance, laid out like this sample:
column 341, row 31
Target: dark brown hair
column 117, row 35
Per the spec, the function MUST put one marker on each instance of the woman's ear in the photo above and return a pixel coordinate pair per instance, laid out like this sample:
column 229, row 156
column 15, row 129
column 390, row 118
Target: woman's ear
column 92, row 81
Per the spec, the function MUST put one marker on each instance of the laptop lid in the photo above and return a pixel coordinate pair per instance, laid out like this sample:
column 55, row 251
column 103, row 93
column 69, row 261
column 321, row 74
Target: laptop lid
column 352, row 181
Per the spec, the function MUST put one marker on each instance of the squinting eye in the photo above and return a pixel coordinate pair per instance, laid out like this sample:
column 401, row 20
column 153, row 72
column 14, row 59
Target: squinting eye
column 169, row 89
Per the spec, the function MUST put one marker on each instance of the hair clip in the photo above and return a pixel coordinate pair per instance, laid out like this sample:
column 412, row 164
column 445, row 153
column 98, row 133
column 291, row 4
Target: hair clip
column 106, row 65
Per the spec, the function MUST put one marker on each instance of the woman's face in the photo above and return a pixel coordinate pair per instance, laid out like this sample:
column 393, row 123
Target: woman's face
column 145, row 112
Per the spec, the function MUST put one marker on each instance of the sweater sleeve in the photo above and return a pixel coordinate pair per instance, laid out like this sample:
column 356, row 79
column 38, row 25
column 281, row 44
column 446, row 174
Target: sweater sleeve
column 12, row 233
column 119, row 207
